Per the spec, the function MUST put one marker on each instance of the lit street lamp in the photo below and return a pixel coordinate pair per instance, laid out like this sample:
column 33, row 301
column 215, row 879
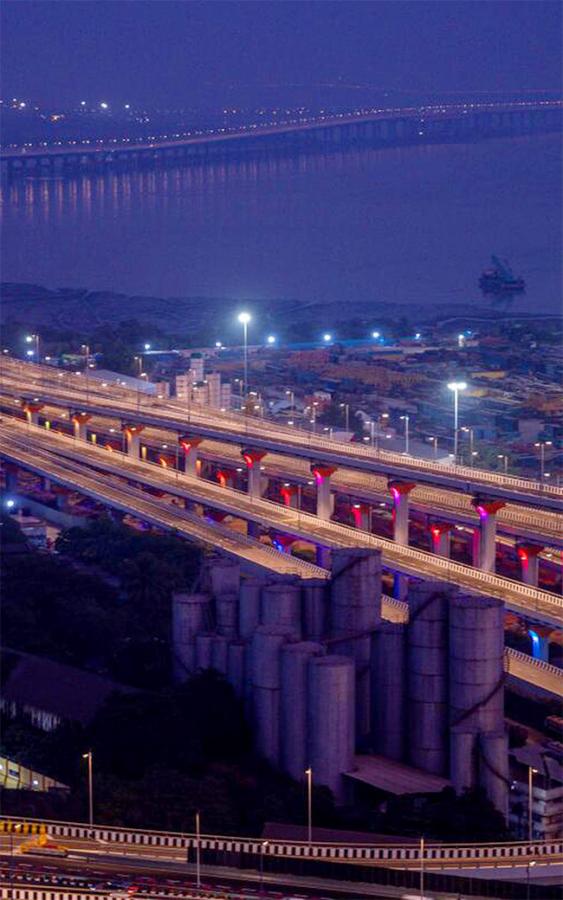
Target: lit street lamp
column 456, row 387
column 88, row 756
column 471, row 433
column 434, row 441
column 406, row 420
column 542, row 445
column 346, row 408
column 504, row 458
column 263, row 846
column 33, row 339
column 244, row 318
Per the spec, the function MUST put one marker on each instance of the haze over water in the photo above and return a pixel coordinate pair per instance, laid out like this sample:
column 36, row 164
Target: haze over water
column 402, row 225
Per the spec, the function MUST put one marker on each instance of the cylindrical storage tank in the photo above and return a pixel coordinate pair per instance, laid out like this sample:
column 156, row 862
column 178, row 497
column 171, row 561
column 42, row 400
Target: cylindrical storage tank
column 249, row 606
column 427, row 676
column 293, row 706
column 235, row 666
column 281, row 604
column 494, row 769
column 266, row 679
column 203, row 645
column 355, row 610
column 219, row 650
column 388, row 683
column 226, row 611
column 189, row 613
column 331, row 726
column 225, row 576
column 476, row 636
column 314, row 599
column 463, row 759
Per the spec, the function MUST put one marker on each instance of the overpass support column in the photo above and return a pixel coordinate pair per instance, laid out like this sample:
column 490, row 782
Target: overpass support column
column 540, row 635
column 528, row 555
column 325, row 500
column 400, row 491
column 133, row 438
column 487, row 510
column 362, row 516
column 80, row 425
column 10, row 477
column 32, row 411
column 253, row 458
column 190, row 447
column 441, row 538
column 290, row 495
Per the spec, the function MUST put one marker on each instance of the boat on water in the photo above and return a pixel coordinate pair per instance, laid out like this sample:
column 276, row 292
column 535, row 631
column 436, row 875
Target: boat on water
column 500, row 279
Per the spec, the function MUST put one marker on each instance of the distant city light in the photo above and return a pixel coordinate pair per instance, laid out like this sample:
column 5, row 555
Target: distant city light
column 147, row 346
column 83, row 103
column 104, row 105
column 28, row 338
column 417, row 336
column 376, row 334
column 29, row 353
column 271, row 339
column 327, row 338
column 218, row 344
column 127, row 106
column 10, row 504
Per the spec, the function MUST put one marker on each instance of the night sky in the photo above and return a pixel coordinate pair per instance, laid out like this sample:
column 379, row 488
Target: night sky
column 178, row 53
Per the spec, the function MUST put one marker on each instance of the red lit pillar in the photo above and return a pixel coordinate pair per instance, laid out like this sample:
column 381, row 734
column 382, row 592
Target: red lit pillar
column 441, row 538
column 400, row 491
column 290, row 495
column 80, row 423
column 190, row 447
column 325, row 500
column 253, row 458
column 528, row 555
column 487, row 510
column 226, row 477
column 362, row 515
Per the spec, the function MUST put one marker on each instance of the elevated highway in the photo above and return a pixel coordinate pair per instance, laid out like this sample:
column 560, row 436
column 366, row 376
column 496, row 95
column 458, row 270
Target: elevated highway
column 58, row 457
column 53, row 388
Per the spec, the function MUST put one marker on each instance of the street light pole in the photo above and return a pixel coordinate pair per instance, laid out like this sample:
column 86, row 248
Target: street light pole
column 309, row 774
column 542, row 445
column 422, row 868
column 531, row 773
column 406, row 420
column 88, row 756
column 456, row 387
column 244, row 318
column 197, row 850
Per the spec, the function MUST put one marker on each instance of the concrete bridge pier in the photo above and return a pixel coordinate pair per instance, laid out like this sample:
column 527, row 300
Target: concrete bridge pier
column 528, row 555
column 400, row 491
column 133, row 439
column 190, row 447
column 487, row 510
column 253, row 458
column 441, row 533
column 290, row 495
column 362, row 516
column 32, row 411
column 325, row 500
column 80, row 424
